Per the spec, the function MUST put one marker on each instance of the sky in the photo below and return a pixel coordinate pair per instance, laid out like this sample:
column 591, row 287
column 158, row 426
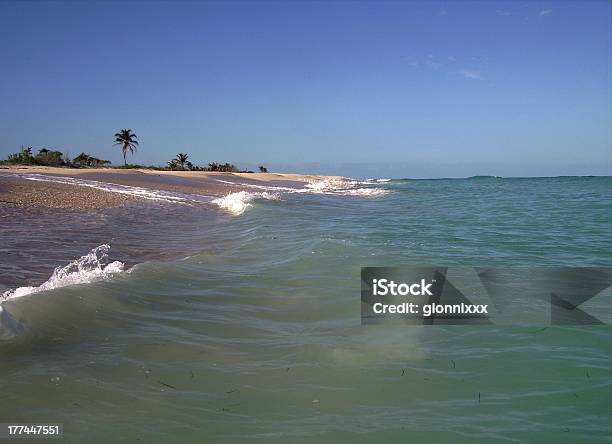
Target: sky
column 398, row 89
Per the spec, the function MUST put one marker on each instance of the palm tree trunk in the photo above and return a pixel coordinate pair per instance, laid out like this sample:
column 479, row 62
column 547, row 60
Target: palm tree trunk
column 124, row 153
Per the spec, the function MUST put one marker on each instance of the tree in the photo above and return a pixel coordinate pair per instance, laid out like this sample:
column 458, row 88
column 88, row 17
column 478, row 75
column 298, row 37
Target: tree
column 127, row 139
column 87, row 160
column 22, row 157
column 263, row 169
column 181, row 159
column 48, row 157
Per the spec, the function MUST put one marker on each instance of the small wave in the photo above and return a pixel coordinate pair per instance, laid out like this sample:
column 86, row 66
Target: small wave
column 367, row 192
column 344, row 187
column 484, row 177
column 89, row 268
column 237, row 203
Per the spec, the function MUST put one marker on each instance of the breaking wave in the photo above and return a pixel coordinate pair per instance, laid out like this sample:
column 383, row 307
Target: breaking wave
column 92, row 267
column 331, row 187
column 345, row 187
column 237, row 203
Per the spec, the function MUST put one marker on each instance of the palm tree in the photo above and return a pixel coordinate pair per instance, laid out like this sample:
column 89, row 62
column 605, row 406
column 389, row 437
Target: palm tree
column 181, row 159
column 263, row 169
column 127, row 139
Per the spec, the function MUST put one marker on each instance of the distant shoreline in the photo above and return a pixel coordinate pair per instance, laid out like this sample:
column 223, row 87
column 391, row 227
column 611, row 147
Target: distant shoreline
column 15, row 190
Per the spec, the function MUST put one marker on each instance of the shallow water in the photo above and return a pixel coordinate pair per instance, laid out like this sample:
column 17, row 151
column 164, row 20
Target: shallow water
column 231, row 327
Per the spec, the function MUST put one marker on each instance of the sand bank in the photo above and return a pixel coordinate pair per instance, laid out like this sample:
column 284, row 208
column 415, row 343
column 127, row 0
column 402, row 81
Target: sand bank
column 15, row 190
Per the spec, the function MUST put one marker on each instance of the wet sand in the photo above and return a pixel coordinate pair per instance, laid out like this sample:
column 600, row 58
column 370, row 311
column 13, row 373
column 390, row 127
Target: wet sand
column 18, row 191
column 197, row 175
column 27, row 193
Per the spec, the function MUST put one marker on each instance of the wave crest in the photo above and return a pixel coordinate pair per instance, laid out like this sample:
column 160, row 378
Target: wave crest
column 344, row 187
column 89, row 268
column 237, row 203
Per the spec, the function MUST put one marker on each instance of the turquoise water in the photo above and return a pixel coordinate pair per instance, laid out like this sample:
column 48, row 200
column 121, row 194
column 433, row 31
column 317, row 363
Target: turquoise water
column 232, row 328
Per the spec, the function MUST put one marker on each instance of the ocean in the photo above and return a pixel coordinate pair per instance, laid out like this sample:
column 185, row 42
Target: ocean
column 191, row 319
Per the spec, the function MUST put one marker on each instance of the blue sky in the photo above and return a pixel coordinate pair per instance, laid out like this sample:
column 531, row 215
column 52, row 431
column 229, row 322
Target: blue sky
column 417, row 89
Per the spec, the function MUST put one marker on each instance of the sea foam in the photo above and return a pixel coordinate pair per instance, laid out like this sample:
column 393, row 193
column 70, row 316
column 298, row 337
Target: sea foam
column 344, row 187
column 237, row 203
column 89, row 268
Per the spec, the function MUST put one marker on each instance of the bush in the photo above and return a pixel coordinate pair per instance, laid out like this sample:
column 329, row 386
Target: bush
column 49, row 158
column 23, row 157
column 225, row 167
column 85, row 160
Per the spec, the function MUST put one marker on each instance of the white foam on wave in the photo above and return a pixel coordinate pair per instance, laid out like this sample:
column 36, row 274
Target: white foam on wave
column 89, row 268
column 344, row 187
column 237, row 203
column 367, row 192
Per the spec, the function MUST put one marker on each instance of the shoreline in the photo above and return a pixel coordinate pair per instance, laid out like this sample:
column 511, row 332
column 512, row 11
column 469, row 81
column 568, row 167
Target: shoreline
column 16, row 190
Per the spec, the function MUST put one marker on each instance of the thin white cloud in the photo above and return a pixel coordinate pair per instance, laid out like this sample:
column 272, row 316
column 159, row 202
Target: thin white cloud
column 432, row 64
column 451, row 59
column 428, row 61
column 471, row 74
column 412, row 61
column 545, row 11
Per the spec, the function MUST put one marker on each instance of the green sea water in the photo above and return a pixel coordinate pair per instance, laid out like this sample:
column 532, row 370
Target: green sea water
column 246, row 328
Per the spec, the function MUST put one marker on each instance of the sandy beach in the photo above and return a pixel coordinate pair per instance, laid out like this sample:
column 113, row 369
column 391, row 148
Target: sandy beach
column 27, row 193
column 18, row 191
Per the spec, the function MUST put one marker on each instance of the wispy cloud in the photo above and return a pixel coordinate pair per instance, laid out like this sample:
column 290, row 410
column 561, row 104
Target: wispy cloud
column 523, row 12
column 451, row 59
column 471, row 74
column 412, row 61
column 431, row 62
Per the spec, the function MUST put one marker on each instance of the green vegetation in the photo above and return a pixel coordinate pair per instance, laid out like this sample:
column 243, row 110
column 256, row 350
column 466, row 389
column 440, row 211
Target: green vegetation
column 181, row 159
column 127, row 139
column 44, row 157
column 224, row 168
column 180, row 162
column 50, row 158
column 85, row 160
column 23, row 157
column 47, row 157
